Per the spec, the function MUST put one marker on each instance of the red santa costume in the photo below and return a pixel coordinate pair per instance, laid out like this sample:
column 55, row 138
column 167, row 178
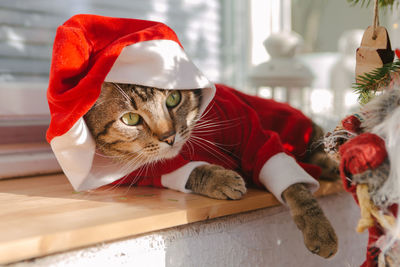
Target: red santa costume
column 262, row 139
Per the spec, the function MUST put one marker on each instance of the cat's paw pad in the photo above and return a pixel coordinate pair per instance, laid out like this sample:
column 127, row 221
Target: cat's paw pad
column 226, row 184
column 319, row 236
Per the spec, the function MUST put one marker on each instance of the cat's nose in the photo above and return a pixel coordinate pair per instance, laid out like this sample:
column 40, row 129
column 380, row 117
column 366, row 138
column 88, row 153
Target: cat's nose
column 168, row 138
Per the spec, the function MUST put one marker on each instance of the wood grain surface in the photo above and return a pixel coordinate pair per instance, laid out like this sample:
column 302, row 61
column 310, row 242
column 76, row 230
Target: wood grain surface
column 43, row 215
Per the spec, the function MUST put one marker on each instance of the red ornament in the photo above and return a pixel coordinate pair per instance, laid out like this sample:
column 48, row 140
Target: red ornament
column 352, row 124
column 397, row 51
column 366, row 151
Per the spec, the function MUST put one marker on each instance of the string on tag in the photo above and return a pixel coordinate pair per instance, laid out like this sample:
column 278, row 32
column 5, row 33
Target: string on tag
column 375, row 23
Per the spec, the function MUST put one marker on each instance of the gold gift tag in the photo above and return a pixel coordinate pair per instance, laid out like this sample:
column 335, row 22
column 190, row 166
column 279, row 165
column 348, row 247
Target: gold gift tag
column 373, row 52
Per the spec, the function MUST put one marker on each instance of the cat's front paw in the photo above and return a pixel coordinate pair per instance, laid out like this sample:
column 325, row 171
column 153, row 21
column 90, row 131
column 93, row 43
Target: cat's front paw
column 319, row 236
column 216, row 182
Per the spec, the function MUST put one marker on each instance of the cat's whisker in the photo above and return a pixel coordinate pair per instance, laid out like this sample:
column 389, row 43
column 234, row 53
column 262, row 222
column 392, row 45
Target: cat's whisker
column 152, row 162
column 212, row 150
column 209, row 130
column 219, row 145
column 201, row 119
column 208, row 109
column 121, row 159
column 106, row 102
column 122, row 92
column 132, row 165
column 206, row 132
column 207, row 127
column 103, row 147
column 134, row 162
column 210, row 122
column 107, row 156
column 209, row 142
column 216, row 122
column 190, row 148
column 189, row 142
column 205, row 144
column 212, row 126
column 144, row 169
column 135, row 179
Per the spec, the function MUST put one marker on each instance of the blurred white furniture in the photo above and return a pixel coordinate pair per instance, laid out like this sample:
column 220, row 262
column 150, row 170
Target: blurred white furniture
column 283, row 69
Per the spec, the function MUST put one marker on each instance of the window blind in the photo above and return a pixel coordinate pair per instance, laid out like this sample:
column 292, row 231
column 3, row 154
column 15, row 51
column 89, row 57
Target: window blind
column 27, row 30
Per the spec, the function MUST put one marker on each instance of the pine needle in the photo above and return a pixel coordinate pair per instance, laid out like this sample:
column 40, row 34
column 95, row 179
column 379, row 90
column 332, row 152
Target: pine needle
column 369, row 83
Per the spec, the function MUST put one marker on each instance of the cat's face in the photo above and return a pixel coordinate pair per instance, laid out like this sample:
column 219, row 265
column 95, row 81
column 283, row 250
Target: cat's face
column 137, row 125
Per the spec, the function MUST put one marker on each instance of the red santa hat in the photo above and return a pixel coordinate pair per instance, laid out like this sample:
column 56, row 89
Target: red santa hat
column 91, row 49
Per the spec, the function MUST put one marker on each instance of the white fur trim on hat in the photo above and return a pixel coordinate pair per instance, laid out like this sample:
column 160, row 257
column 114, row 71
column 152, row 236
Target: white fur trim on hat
column 162, row 64
column 75, row 151
column 282, row 171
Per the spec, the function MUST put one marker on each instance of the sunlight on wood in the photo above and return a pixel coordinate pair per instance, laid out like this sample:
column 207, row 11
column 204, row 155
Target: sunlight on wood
column 44, row 215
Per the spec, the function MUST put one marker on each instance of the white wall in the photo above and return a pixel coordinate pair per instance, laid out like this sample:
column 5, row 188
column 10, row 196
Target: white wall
column 322, row 22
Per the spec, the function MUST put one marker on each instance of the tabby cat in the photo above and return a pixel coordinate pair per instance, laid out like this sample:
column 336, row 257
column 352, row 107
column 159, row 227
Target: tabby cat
column 138, row 125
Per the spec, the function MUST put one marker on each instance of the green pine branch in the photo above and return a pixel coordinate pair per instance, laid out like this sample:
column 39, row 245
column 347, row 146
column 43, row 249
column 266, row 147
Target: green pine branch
column 369, row 83
column 381, row 3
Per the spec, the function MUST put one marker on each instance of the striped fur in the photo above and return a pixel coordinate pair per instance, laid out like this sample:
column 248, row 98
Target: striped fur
column 141, row 144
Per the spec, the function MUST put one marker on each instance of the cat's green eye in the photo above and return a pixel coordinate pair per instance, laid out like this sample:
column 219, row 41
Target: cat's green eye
column 130, row 119
column 173, row 99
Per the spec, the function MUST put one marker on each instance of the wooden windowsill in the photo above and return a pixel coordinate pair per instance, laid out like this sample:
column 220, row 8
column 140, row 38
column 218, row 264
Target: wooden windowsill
column 43, row 215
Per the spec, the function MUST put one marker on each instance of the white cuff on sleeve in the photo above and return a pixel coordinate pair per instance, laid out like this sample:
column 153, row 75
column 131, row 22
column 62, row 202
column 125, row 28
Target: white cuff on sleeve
column 282, row 171
column 177, row 179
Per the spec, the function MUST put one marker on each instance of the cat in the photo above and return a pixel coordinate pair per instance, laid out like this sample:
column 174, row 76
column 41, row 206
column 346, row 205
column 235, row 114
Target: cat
column 138, row 125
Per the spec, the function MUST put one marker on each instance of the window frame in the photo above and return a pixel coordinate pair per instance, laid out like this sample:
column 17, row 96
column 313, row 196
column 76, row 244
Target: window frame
column 23, row 126
column 23, row 122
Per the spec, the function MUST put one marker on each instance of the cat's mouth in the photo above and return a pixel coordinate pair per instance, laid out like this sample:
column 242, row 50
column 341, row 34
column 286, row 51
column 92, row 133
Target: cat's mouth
column 171, row 151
